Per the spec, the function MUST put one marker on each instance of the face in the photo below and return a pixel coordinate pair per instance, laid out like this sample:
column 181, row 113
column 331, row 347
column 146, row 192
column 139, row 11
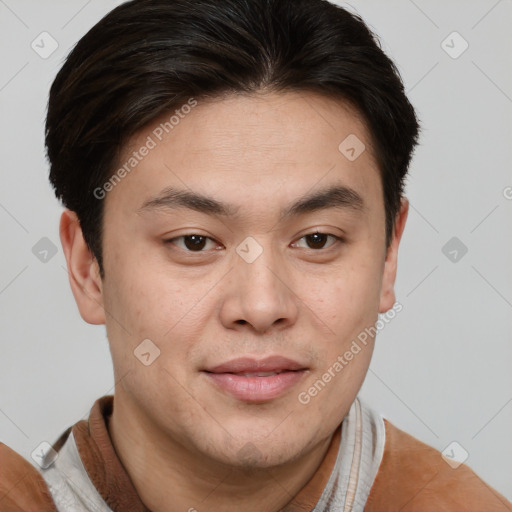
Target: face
column 250, row 250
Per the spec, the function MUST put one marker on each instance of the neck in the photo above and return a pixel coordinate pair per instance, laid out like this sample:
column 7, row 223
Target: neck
column 167, row 476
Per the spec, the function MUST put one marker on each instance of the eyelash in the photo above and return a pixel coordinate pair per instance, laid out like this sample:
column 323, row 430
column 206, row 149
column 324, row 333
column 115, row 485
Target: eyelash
column 337, row 240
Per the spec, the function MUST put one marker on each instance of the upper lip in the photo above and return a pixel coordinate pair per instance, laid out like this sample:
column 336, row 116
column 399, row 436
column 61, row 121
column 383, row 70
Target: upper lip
column 249, row 365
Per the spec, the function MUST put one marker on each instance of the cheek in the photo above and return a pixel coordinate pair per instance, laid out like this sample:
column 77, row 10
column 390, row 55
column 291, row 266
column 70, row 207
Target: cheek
column 350, row 297
column 152, row 305
column 141, row 293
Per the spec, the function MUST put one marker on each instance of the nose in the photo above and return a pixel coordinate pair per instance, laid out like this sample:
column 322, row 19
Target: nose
column 260, row 294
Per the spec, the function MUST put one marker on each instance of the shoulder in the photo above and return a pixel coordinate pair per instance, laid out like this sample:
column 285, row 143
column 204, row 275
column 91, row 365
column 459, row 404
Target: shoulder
column 414, row 477
column 22, row 488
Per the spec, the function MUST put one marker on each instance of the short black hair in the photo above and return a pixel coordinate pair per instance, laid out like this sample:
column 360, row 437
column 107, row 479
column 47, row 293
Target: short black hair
column 147, row 57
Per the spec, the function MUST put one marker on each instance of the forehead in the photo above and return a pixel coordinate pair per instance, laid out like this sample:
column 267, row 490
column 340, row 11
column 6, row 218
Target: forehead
column 247, row 149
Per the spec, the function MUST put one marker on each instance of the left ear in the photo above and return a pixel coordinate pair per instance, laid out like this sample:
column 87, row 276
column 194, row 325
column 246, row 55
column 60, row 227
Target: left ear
column 387, row 292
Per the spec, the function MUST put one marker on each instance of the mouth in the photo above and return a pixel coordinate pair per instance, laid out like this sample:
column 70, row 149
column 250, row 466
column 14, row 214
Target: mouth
column 256, row 381
column 258, row 374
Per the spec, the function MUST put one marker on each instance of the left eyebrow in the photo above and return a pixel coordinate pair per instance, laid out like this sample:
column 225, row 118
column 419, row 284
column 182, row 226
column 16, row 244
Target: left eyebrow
column 337, row 196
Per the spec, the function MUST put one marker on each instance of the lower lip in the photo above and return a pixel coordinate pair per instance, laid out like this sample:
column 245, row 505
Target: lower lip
column 256, row 389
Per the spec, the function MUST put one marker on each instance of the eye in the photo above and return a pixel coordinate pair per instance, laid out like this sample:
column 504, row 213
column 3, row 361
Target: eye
column 198, row 243
column 191, row 243
column 318, row 240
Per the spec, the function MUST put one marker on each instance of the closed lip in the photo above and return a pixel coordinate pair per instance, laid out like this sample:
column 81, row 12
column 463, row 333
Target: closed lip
column 254, row 380
column 253, row 365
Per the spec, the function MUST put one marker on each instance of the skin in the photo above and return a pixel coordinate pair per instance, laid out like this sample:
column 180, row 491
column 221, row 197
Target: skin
column 184, row 442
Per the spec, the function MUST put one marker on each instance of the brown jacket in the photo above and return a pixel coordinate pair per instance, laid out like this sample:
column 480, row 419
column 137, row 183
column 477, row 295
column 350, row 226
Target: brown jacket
column 412, row 476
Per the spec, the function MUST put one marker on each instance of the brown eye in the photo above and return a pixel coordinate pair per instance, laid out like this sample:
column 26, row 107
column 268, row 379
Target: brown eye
column 318, row 241
column 191, row 243
column 194, row 242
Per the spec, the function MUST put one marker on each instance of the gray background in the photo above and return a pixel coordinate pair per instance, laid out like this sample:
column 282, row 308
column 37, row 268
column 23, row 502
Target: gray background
column 441, row 368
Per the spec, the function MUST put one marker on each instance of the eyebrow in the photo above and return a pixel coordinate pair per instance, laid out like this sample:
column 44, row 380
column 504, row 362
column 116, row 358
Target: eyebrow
column 336, row 196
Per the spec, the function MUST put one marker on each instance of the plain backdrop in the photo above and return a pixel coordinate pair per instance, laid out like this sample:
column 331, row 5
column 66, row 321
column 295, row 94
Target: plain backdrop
column 441, row 368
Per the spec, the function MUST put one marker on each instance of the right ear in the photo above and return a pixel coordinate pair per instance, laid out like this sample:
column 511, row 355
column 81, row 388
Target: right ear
column 83, row 270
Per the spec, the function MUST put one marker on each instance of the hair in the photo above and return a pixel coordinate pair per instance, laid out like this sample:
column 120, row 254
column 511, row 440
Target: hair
column 147, row 57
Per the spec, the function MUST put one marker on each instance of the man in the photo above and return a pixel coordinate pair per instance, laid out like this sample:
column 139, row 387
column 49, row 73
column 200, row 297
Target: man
column 233, row 173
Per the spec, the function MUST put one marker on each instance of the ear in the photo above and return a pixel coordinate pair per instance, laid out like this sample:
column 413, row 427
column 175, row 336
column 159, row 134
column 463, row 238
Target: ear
column 83, row 270
column 387, row 293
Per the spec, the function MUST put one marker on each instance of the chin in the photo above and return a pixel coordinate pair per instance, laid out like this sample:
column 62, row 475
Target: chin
column 253, row 457
column 258, row 452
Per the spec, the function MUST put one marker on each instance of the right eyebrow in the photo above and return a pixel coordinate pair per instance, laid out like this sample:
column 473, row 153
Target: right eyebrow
column 172, row 198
